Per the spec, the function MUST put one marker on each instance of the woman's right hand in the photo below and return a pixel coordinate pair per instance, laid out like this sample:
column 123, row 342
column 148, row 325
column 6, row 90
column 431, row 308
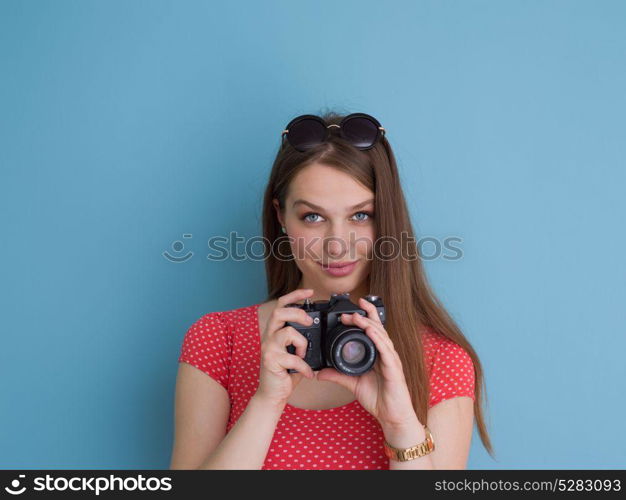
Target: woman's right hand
column 275, row 383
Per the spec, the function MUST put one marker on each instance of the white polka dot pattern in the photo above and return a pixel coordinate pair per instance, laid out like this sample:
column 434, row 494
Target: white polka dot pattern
column 207, row 346
column 226, row 346
column 451, row 370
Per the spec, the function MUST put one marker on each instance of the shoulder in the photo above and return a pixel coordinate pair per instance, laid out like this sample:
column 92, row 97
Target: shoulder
column 207, row 334
column 443, row 354
column 223, row 322
column 208, row 342
column 450, row 367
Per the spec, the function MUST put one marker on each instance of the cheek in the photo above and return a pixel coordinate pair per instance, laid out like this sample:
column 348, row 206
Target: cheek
column 306, row 245
column 364, row 241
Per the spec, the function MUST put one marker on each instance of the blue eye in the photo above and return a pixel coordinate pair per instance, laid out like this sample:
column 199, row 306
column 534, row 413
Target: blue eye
column 305, row 218
column 369, row 216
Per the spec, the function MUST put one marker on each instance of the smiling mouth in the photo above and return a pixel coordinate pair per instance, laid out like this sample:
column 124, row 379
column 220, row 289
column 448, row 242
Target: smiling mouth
column 336, row 265
column 339, row 271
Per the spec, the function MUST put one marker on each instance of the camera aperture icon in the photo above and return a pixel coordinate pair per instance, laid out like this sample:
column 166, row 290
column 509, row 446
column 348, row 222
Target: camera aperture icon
column 15, row 484
column 178, row 246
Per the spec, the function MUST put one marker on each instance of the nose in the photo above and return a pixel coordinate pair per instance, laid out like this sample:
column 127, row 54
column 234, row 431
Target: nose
column 336, row 243
column 336, row 249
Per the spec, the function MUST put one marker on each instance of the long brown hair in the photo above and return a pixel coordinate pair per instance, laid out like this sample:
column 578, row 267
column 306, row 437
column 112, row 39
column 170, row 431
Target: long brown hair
column 409, row 300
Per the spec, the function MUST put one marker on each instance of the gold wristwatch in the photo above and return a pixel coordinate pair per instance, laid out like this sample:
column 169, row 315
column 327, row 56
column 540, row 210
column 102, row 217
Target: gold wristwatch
column 419, row 450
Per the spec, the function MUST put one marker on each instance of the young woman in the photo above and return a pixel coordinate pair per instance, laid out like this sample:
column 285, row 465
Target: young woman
column 335, row 200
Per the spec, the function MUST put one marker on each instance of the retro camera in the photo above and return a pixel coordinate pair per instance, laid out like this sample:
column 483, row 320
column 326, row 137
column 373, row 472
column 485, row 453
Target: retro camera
column 331, row 344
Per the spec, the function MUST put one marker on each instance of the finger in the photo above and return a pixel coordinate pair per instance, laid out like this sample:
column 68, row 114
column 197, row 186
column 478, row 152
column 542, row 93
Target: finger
column 295, row 314
column 370, row 309
column 332, row 375
column 286, row 360
column 358, row 320
column 300, row 293
column 376, row 324
column 281, row 315
column 290, row 336
column 388, row 355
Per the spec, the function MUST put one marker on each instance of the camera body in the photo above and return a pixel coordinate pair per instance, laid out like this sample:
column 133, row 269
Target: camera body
column 332, row 344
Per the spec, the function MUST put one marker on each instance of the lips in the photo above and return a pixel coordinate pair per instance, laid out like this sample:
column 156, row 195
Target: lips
column 339, row 269
column 337, row 264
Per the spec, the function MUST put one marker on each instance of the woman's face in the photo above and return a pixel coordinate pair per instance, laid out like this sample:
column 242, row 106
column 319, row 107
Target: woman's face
column 329, row 218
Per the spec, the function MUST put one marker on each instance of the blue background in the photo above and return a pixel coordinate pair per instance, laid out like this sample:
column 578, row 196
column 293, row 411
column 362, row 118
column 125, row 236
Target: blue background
column 124, row 125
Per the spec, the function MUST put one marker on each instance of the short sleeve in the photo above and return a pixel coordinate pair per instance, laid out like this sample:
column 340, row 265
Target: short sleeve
column 207, row 346
column 452, row 373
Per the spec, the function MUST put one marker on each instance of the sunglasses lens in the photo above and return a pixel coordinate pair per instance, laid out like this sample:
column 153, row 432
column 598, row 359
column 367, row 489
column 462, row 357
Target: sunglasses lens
column 306, row 133
column 360, row 132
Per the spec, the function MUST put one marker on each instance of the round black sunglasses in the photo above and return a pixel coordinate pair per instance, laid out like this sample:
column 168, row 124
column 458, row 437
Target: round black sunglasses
column 359, row 129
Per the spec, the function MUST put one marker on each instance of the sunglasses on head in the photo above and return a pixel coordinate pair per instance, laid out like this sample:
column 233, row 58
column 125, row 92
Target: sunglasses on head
column 359, row 129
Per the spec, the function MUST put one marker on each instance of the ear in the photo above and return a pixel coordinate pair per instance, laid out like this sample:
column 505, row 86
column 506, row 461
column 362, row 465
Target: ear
column 278, row 212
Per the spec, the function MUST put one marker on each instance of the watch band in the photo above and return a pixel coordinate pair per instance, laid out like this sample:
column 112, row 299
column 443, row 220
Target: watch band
column 419, row 450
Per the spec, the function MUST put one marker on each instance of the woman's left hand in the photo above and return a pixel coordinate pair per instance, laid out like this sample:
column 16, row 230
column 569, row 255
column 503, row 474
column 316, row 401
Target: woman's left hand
column 382, row 391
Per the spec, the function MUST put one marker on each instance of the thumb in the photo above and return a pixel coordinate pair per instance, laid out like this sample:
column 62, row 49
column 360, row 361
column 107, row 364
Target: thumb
column 332, row 375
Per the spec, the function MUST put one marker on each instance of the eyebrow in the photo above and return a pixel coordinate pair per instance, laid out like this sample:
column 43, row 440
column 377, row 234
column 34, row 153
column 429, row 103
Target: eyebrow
column 316, row 207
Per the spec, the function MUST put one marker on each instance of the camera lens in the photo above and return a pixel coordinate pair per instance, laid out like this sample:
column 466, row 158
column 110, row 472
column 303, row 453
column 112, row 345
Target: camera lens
column 353, row 352
column 349, row 350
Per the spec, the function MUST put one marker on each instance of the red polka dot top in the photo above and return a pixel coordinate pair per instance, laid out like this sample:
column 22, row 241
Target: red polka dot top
column 226, row 345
